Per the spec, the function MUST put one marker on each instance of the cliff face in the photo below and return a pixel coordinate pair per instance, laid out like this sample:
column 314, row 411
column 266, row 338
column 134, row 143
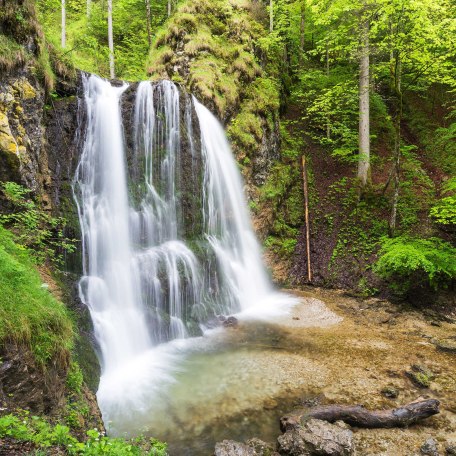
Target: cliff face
column 217, row 50
column 38, row 121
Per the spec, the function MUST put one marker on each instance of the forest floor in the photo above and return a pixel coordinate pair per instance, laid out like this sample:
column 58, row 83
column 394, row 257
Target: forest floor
column 376, row 347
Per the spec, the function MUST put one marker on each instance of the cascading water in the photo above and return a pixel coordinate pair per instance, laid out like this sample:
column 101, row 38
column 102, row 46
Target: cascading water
column 167, row 241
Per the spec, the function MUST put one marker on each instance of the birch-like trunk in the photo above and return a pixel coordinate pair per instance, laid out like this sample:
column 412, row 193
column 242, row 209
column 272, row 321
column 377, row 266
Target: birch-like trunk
column 169, row 8
column 271, row 15
column 302, row 29
column 63, row 23
column 364, row 122
column 110, row 41
column 148, row 19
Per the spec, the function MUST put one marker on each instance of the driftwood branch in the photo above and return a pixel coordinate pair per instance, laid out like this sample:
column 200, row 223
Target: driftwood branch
column 356, row 415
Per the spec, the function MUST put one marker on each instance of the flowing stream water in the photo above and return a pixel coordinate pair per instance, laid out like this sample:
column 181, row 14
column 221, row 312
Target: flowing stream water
column 167, row 246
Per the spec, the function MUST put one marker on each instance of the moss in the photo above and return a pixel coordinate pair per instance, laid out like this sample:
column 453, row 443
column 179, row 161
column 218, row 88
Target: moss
column 12, row 55
column 29, row 313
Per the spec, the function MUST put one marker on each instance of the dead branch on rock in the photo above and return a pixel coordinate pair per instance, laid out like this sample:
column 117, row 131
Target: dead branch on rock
column 359, row 416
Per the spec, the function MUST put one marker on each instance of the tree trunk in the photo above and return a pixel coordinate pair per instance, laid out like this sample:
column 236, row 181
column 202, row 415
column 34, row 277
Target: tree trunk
column 110, row 41
column 88, row 7
column 271, row 15
column 397, row 146
column 328, row 120
column 356, row 415
column 169, row 8
column 302, row 29
column 148, row 20
column 63, row 24
column 364, row 123
column 306, row 213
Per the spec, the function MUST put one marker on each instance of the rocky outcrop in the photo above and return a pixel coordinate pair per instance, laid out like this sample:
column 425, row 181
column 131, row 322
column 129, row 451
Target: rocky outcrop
column 316, row 437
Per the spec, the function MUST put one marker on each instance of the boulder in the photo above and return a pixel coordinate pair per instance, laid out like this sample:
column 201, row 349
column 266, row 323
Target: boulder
column 317, row 437
column 429, row 448
column 233, row 448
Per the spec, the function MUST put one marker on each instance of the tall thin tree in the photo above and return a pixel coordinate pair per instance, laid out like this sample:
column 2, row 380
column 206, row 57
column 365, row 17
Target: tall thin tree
column 148, row 22
column 271, row 15
column 63, row 23
column 364, row 109
column 110, row 41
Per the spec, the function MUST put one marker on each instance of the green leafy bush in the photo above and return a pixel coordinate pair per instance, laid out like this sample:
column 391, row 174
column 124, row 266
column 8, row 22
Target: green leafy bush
column 408, row 262
column 444, row 211
column 36, row 430
column 34, row 228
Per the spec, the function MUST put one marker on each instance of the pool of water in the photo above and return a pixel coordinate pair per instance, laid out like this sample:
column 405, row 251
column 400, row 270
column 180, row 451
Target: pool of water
column 232, row 383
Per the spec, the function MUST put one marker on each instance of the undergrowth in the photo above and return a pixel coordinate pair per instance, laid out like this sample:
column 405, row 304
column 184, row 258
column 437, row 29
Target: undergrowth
column 26, row 428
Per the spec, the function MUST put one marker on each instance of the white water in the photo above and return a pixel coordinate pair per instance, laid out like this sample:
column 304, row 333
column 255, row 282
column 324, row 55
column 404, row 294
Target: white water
column 167, row 243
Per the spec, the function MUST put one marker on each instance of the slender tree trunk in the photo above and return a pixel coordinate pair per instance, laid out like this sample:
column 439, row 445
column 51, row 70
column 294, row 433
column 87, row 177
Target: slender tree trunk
column 328, row 120
column 88, row 7
column 110, row 41
column 148, row 20
column 63, row 24
column 169, row 8
column 306, row 213
column 302, row 29
column 271, row 15
column 364, row 123
column 397, row 145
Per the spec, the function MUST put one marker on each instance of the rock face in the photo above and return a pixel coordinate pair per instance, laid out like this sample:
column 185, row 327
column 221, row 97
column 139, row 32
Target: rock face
column 317, row 437
column 25, row 385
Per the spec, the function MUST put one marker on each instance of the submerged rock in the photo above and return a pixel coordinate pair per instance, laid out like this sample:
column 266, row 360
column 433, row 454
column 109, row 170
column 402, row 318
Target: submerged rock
column 430, row 448
column 317, row 437
column 233, row 448
column 253, row 447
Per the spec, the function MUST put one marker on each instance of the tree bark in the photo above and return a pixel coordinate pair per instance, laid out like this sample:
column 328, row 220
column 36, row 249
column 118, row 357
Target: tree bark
column 110, row 41
column 271, row 15
column 356, row 415
column 306, row 213
column 302, row 29
column 328, row 120
column 364, row 111
column 88, row 7
column 397, row 145
column 63, row 23
column 169, row 8
column 148, row 19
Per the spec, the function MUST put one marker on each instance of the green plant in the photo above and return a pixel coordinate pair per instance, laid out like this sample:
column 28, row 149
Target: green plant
column 34, row 228
column 41, row 433
column 409, row 262
column 444, row 211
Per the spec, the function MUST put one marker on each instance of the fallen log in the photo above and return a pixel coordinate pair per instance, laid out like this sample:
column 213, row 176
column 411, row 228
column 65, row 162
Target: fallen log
column 359, row 416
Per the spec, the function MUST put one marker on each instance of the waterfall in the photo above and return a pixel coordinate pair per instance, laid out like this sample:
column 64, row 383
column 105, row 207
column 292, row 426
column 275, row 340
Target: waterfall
column 166, row 235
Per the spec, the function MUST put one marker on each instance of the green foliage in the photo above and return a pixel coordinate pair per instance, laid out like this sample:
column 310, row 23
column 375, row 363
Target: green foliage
column 444, row 211
column 45, row 436
column 29, row 314
column 408, row 262
column 34, row 228
column 75, row 378
column 12, row 54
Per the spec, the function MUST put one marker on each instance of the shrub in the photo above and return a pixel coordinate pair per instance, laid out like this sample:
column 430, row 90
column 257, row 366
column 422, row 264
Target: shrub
column 411, row 262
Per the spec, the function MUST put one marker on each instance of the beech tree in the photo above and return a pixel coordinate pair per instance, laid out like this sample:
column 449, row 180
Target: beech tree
column 63, row 39
column 110, row 41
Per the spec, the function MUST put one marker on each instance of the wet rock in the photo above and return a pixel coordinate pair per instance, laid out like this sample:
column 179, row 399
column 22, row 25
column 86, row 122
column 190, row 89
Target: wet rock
column 316, row 437
column 261, row 448
column 430, row 448
column 446, row 345
column 390, row 392
column 230, row 322
column 420, row 376
column 233, row 448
